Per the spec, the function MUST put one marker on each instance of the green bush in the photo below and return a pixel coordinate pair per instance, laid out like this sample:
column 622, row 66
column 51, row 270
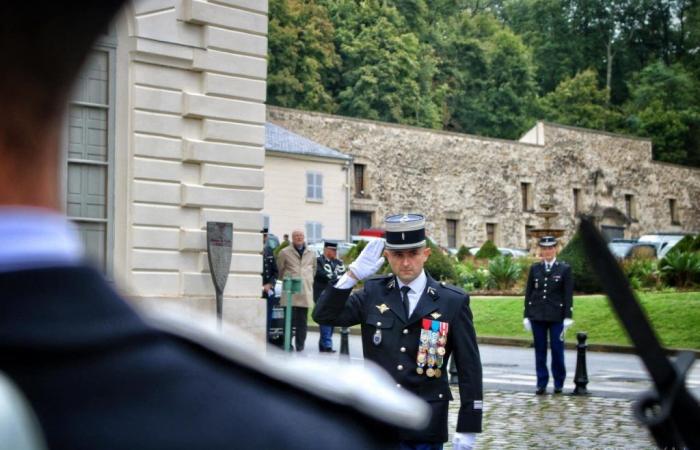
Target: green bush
column 462, row 253
column 584, row 278
column 681, row 268
column 696, row 244
column 471, row 277
column 354, row 252
column 488, row 251
column 684, row 245
column 282, row 245
column 503, row 272
column 440, row 266
column 643, row 273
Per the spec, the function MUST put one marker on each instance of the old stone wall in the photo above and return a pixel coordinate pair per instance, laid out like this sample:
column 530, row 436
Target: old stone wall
column 478, row 180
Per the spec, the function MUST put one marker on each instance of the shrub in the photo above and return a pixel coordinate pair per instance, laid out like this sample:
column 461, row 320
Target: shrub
column 463, row 253
column 440, row 266
column 488, row 251
column 282, row 245
column 681, row 268
column 584, row 278
column 471, row 277
column 354, row 252
column 503, row 272
column 643, row 273
column 684, row 245
column 696, row 244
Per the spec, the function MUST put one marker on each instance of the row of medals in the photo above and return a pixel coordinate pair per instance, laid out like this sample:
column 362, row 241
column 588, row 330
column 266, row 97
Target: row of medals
column 431, row 352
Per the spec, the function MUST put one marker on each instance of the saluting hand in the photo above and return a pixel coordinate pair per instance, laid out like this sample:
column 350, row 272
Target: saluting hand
column 369, row 261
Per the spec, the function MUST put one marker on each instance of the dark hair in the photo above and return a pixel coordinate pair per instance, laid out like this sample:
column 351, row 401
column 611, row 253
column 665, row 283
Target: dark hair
column 43, row 46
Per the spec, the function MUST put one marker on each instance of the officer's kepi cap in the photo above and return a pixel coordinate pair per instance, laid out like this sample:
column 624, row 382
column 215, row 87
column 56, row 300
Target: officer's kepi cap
column 548, row 241
column 329, row 244
column 404, row 231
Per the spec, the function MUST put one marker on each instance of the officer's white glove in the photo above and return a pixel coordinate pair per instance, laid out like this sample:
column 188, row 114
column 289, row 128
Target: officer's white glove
column 369, row 261
column 463, row 441
column 567, row 323
column 526, row 324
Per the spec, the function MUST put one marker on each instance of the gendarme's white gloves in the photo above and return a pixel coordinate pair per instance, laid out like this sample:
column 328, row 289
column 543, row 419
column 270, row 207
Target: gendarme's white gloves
column 463, row 441
column 568, row 323
column 526, row 324
column 369, row 261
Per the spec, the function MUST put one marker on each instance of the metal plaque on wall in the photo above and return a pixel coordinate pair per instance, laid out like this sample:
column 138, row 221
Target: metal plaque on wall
column 219, row 248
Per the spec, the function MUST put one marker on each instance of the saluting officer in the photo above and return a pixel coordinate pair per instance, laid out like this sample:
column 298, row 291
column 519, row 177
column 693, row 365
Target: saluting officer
column 328, row 270
column 410, row 326
column 548, row 310
column 269, row 277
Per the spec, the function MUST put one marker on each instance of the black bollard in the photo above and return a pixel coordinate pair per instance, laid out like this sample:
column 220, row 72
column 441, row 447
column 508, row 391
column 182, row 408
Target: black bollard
column 454, row 379
column 345, row 343
column 581, row 376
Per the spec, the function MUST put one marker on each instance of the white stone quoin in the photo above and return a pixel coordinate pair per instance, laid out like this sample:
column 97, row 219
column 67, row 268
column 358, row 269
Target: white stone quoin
column 189, row 126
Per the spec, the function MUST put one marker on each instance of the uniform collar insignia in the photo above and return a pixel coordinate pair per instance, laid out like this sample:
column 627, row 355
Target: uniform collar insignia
column 432, row 292
column 391, row 283
column 382, row 308
column 436, row 315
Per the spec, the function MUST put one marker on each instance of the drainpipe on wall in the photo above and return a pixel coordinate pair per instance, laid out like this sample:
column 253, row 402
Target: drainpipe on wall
column 346, row 168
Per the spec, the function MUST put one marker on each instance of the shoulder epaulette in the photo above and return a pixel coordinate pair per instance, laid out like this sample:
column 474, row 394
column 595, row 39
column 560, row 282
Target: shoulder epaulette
column 453, row 288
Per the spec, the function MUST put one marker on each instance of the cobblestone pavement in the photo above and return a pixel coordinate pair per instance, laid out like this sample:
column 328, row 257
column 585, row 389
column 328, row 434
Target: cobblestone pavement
column 520, row 420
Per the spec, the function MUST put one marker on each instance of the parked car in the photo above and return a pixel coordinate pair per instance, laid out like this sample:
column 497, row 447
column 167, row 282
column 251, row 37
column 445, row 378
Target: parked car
column 621, row 247
column 374, row 232
column 631, row 248
column 663, row 241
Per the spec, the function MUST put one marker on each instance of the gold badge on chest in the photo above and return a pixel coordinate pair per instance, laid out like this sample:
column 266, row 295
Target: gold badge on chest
column 382, row 308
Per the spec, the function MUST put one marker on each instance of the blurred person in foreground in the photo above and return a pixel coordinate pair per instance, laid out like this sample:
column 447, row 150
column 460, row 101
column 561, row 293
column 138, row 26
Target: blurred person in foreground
column 97, row 374
column 411, row 324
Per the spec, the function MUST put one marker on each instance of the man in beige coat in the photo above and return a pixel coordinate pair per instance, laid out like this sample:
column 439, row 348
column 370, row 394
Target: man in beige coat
column 297, row 260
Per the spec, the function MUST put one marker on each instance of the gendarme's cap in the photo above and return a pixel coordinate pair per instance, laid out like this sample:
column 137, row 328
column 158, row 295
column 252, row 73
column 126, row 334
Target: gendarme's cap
column 328, row 244
column 404, row 231
column 548, row 241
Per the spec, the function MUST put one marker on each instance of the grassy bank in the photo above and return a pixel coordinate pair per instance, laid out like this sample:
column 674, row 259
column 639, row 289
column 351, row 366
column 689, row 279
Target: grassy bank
column 675, row 317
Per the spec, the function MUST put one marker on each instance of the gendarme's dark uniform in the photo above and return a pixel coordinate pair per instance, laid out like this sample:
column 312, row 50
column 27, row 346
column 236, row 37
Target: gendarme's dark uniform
column 548, row 301
column 379, row 307
column 549, row 295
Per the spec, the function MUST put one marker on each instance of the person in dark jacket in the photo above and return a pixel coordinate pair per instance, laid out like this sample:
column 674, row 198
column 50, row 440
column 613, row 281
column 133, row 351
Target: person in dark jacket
column 548, row 312
column 96, row 374
column 328, row 270
column 269, row 278
column 411, row 324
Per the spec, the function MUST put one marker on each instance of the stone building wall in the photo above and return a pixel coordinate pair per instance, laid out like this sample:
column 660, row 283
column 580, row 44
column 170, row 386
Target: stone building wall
column 191, row 84
column 477, row 180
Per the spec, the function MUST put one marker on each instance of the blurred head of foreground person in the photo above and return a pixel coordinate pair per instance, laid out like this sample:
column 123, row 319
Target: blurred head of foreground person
column 96, row 374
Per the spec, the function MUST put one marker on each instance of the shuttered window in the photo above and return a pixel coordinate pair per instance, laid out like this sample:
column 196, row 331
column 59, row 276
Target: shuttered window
column 89, row 155
column 314, row 186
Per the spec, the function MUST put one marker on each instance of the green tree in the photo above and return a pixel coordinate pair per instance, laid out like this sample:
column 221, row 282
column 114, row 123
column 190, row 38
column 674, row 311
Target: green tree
column 664, row 107
column 387, row 74
column 489, row 74
column 302, row 58
column 578, row 101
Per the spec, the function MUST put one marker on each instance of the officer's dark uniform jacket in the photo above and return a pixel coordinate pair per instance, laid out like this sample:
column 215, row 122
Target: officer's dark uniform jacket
column 399, row 345
column 269, row 273
column 549, row 295
column 328, row 271
column 99, row 377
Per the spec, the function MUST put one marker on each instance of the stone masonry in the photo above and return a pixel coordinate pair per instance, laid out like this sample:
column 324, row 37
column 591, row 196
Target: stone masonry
column 477, row 180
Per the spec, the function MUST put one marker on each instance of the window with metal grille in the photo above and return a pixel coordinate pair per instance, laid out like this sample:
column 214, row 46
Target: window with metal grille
column 451, row 233
column 359, row 171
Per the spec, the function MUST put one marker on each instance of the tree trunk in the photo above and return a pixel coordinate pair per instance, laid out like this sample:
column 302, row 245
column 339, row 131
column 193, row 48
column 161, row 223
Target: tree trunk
column 608, row 73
